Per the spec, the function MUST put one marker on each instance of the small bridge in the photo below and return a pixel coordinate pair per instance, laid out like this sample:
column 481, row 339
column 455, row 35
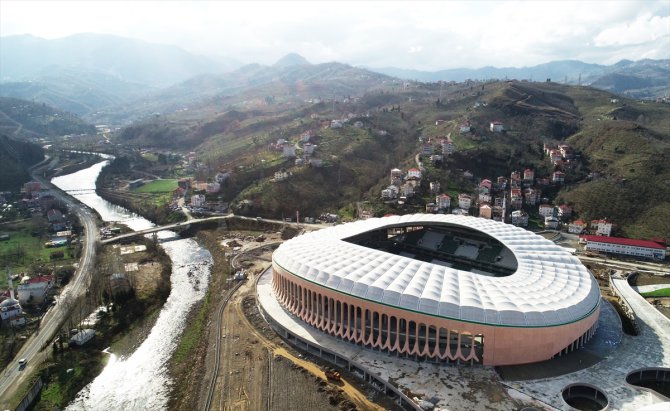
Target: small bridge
column 156, row 229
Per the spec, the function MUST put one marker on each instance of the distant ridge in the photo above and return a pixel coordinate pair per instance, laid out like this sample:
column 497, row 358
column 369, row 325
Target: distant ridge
column 291, row 59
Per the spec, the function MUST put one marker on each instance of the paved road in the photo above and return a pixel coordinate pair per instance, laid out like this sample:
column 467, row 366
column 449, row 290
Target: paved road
column 12, row 377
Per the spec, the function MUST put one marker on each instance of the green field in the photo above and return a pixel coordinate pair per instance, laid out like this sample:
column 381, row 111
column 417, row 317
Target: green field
column 157, row 186
column 663, row 292
column 24, row 250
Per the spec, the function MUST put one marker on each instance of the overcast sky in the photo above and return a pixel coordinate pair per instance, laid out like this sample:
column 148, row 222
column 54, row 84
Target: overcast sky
column 420, row 35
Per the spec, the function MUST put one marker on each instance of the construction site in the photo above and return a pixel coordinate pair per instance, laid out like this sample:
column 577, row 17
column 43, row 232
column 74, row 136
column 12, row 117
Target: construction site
column 245, row 365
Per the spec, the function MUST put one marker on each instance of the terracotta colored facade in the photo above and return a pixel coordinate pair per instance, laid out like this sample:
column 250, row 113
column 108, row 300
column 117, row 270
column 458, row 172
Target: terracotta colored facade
column 405, row 332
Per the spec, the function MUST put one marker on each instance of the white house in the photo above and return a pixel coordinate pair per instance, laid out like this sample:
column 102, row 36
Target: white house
column 390, row 192
column 576, row 227
column 34, row 290
column 465, row 128
column 443, row 201
column 9, row 309
column 308, row 148
column 198, row 200
column 464, row 201
column 546, row 210
column 288, row 150
column 497, row 126
column 551, row 222
column 414, row 173
column 520, row 218
column 602, row 227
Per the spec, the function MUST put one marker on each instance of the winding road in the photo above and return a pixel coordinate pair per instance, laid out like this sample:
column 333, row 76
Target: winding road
column 12, row 377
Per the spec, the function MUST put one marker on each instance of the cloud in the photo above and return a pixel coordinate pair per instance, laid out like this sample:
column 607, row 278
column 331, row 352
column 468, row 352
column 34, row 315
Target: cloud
column 421, row 35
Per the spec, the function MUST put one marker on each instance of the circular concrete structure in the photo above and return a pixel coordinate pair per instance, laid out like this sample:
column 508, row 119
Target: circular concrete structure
column 442, row 287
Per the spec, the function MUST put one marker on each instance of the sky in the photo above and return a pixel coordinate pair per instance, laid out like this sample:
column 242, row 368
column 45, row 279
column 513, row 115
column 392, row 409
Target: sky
column 417, row 35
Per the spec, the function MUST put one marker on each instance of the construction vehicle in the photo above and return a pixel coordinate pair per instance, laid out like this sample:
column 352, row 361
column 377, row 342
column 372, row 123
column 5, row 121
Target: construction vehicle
column 332, row 375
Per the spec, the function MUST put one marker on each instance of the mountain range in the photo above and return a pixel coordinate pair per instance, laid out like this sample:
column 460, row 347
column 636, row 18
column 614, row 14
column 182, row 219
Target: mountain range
column 102, row 77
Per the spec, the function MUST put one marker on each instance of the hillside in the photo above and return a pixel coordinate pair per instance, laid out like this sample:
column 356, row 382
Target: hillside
column 25, row 119
column 639, row 79
column 622, row 146
column 77, row 91
column 15, row 156
column 250, row 87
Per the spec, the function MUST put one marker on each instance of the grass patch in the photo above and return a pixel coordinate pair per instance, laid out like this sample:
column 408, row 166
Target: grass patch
column 158, row 186
column 191, row 336
column 663, row 292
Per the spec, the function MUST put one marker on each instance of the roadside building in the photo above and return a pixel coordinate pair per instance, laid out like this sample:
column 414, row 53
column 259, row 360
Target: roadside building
column 624, row 246
column 34, row 290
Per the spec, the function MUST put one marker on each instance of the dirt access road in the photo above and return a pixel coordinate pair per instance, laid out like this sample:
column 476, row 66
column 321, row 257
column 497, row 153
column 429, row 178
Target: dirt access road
column 258, row 371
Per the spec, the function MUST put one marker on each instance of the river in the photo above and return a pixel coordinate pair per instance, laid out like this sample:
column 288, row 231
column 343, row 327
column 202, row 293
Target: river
column 140, row 381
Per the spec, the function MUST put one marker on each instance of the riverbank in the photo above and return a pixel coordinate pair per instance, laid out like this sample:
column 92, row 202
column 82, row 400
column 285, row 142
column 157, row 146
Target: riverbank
column 121, row 326
column 188, row 361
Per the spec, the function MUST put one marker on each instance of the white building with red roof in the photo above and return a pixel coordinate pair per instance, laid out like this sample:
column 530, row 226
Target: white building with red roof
column 443, row 201
column 602, row 227
column 414, row 173
column 464, row 201
column 34, row 290
column 497, row 126
column 625, row 246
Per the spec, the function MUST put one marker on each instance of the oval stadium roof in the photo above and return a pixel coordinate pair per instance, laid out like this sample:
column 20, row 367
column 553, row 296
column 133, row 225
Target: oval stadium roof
column 550, row 286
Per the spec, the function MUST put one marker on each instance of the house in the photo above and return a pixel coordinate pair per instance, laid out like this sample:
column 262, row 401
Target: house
column 498, row 213
column 576, row 227
column 515, row 176
column 427, row 149
column 390, row 192
column 531, row 196
column 624, row 246
column 406, row 190
column 485, row 186
column 34, row 290
column 555, row 156
column 306, row 136
column 551, row 222
column 288, row 150
column 520, row 218
column 485, row 210
column 414, row 173
column 10, row 308
column 443, row 201
column 434, row 187
column 558, row 177
column 497, row 126
column 436, row 159
column 546, row 210
column 516, row 198
column 602, row 227
column 198, row 200
column 396, row 176
column 281, row 175
column 501, row 182
column 447, row 146
column 459, row 211
column 82, row 337
column 336, row 124
column 465, row 128
column 564, row 211
column 308, row 148
column 484, row 198
column 464, row 201
column 468, row 174
column 32, row 187
column 529, row 175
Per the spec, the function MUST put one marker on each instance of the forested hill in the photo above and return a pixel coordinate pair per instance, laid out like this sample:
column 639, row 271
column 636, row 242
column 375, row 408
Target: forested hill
column 25, row 119
column 15, row 157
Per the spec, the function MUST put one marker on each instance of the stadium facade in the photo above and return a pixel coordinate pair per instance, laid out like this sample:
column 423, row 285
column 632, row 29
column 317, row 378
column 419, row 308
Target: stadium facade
column 441, row 287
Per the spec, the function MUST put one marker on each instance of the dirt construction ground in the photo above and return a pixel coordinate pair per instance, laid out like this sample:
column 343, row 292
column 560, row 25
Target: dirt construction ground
column 259, row 371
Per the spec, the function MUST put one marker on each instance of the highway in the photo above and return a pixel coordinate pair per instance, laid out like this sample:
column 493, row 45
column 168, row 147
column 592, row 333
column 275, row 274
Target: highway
column 12, row 377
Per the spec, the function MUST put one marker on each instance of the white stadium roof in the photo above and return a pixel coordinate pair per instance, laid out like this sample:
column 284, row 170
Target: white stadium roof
column 550, row 286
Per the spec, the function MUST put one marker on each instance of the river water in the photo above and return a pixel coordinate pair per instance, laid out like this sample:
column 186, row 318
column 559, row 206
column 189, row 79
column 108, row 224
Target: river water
column 140, row 381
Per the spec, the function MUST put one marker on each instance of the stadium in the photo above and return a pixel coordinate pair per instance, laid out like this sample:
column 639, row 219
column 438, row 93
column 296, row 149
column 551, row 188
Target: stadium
column 439, row 287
